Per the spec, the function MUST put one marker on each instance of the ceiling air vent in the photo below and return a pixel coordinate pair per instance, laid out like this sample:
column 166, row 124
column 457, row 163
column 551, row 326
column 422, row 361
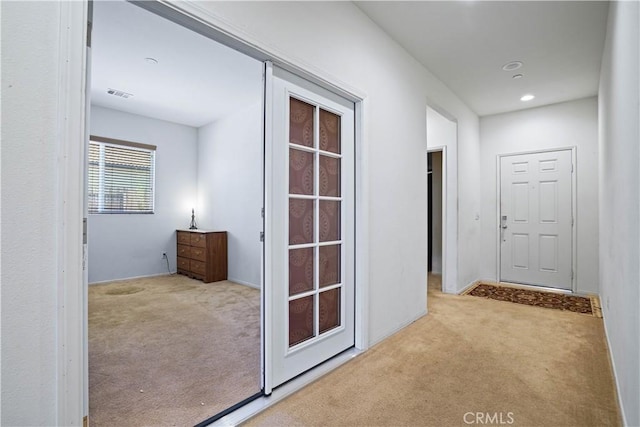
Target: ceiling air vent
column 121, row 94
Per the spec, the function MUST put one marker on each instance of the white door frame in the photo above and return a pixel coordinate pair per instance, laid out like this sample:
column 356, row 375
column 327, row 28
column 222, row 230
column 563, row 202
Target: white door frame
column 72, row 286
column 442, row 149
column 574, row 209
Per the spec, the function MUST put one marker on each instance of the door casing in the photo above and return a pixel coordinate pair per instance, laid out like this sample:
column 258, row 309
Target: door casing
column 574, row 208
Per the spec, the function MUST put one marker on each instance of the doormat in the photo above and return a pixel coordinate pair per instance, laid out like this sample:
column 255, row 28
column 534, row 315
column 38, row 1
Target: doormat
column 585, row 305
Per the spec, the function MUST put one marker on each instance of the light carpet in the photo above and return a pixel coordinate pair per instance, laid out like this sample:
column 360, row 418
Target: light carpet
column 170, row 350
column 470, row 361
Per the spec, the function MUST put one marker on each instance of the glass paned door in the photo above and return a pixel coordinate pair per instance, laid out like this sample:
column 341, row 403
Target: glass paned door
column 314, row 204
column 309, row 291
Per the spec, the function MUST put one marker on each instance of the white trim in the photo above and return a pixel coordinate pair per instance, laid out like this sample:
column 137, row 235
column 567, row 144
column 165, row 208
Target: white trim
column 124, row 279
column 613, row 368
column 469, row 286
column 72, row 335
column 243, row 283
column 361, row 227
column 574, row 219
column 574, row 208
column 497, row 218
column 267, row 312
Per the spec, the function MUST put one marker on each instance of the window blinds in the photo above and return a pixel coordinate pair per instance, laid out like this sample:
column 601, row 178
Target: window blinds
column 121, row 176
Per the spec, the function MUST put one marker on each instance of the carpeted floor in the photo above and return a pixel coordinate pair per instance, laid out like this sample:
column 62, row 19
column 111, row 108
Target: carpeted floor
column 470, row 361
column 170, row 351
column 554, row 300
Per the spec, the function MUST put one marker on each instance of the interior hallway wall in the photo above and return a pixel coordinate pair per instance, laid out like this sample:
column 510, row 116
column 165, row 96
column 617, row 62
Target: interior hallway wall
column 230, row 187
column 619, row 132
column 131, row 245
column 555, row 126
column 397, row 87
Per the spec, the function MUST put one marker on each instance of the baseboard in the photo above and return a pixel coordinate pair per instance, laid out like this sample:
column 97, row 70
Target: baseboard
column 132, row 278
column 242, row 282
column 615, row 371
column 471, row 285
column 398, row 329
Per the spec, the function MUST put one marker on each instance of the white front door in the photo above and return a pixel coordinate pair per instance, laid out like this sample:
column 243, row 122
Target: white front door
column 536, row 219
column 309, row 289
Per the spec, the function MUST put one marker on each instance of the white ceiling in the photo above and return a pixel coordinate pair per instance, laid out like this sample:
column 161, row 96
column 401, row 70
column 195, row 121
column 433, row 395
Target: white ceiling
column 196, row 80
column 466, row 43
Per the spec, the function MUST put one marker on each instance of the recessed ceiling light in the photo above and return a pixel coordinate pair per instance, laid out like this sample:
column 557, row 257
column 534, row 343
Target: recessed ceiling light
column 513, row 65
column 527, row 97
column 517, row 76
column 151, row 60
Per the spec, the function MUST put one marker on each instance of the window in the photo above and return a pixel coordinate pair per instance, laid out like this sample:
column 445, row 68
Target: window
column 121, row 176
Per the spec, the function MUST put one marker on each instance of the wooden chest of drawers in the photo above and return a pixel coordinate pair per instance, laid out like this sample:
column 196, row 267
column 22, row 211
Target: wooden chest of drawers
column 202, row 254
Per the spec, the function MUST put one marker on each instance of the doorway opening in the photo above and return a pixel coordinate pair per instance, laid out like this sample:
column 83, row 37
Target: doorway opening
column 174, row 196
column 435, row 217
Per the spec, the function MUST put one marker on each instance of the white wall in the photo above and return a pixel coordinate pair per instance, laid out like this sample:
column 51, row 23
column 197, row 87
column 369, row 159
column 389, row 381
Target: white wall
column 436, row 212
column 397, row 87
column 562, row 125
column 230, row 187
column 131, row 245
column 619, row 96
column 30, row 202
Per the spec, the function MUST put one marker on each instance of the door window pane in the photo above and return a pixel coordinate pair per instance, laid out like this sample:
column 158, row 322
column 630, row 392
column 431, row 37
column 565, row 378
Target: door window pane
column 329, row 176
column 300, row 270
column 329, row 132
column 300, row 122
column 300, row 320
column 329, row 265
column 300, row 172
column 329, row 311
column 329, row 220
column 300, row 221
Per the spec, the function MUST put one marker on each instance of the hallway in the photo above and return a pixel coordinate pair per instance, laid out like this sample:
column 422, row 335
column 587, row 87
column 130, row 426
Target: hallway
column 468, row 358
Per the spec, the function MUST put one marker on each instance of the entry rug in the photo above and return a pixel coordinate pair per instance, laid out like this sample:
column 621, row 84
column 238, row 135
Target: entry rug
column 585, row 305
